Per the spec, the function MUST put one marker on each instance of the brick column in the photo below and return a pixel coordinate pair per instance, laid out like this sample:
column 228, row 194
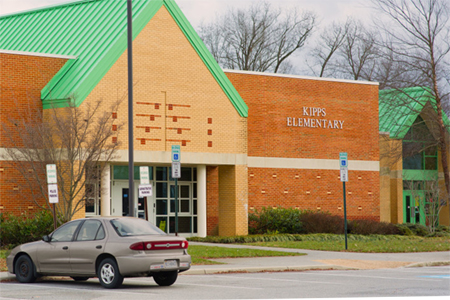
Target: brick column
column 233, row 200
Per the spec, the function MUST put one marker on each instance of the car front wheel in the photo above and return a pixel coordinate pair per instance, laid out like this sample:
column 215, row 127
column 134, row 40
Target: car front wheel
column 166, row 278
column 108, row 274
column 24, row 269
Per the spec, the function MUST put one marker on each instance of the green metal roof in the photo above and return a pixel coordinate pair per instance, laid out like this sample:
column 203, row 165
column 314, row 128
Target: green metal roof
column 398, row 109
column 95, row 31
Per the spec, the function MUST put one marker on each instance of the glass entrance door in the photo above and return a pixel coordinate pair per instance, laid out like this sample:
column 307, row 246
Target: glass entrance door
column 121, row 201
column 412, row 211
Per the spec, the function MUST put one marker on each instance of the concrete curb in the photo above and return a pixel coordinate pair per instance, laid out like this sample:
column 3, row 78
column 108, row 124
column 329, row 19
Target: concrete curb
column 204, row 271
column 428, row 264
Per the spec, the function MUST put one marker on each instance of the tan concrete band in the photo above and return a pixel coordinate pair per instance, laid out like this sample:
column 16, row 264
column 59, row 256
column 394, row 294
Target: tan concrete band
column 312, row 164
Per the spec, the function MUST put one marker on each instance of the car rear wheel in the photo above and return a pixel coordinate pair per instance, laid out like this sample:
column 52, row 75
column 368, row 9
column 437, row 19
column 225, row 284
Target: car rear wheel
column 108, row 274
column 166, row 278
column 80, row 278
column 24, row 269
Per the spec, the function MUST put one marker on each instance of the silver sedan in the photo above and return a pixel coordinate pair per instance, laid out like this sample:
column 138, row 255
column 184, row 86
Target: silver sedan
column 109, row 248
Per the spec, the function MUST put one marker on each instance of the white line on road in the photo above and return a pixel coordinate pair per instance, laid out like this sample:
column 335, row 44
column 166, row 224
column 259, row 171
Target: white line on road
column 221, row 286
column 274, row 279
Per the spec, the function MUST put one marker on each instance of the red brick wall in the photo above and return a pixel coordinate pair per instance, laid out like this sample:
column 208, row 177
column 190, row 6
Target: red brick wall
column 212, row 200
column 22, row 79
column 271, row 100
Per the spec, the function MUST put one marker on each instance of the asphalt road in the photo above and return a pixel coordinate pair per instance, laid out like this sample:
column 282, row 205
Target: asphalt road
column 400, row 282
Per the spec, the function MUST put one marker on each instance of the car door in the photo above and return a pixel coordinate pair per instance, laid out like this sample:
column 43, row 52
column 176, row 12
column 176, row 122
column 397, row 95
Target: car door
column 54, row 256
column 86, row 247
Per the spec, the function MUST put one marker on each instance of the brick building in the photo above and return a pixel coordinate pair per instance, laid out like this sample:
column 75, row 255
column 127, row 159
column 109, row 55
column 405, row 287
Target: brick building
column 247, row 139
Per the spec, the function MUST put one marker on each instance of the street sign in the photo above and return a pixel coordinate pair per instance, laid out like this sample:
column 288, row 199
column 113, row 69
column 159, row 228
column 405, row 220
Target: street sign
column 145, row 190
column 176, row 153
column 145, row 179
column 53, row 193
column 51, row 174
column 176, row 169
column 343, row 162
column 344, row 174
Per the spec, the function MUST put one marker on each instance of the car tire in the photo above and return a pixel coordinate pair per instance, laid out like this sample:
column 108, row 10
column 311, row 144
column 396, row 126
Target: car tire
column 166, row 278
column 24, row 269
column 108, row 274
column 80, row 278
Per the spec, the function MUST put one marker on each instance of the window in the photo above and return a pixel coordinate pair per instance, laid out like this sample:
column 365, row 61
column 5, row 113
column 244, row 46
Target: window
column 91, row 230
column 65, row 232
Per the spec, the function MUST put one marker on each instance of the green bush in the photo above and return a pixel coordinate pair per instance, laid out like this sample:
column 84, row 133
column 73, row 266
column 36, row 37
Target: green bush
column 367, row 227
column 280, row 220
column 416, row 229
column 321, row 222
column 15, row 230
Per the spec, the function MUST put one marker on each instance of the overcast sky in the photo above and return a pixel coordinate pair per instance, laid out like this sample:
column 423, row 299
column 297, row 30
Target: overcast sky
column 205, row 10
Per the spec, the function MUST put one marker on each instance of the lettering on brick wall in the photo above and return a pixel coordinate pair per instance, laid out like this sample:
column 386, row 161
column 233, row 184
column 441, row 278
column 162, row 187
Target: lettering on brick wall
column 313, row 117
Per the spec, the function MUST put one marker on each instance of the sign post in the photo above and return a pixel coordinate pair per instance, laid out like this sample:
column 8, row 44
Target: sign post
column 52, row 189
column 343, row 165
column 176, row 173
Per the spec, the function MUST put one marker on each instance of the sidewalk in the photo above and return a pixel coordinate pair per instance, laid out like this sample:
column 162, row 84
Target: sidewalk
column 313, row 260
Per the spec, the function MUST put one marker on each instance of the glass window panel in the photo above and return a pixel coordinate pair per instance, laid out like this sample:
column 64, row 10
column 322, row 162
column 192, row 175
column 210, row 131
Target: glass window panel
column 184, row 207
column 121, row 172
column 100, row 233
column 431, row 151
column 141, row 203
column 184, row 191
column 161, row 190
column 186, row 174
column 65, row 232
column 161, row 173
column 195, row 207
column 161, row 223
column 195, row 190
column 195, row 224
column 413, row 162
column 172, row 191
column 161, row 207
column 184, row 224
column 430, row 163
column 194, row 170
column 88, row 230
column 172, row 205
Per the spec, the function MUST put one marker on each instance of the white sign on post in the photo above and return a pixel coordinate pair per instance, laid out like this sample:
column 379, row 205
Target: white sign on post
column 145, row 179
column 145, row 190
column 343, row 165
column 53, row 193
column 176, row 169
column 176, row 153
column 51, row 174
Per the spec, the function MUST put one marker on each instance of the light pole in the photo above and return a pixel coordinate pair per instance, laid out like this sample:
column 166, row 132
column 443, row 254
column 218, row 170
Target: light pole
column 130, row 113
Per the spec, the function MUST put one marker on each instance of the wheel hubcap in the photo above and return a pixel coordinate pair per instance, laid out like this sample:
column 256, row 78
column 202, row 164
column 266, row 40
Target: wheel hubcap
column 107, row 273
column 24, row 269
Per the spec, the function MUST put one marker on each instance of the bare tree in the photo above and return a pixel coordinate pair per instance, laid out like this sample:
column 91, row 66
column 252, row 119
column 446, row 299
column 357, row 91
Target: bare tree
column 78, row 140
column 258, row 39
column 358, row 54
column 418, row 35
column 329, row 42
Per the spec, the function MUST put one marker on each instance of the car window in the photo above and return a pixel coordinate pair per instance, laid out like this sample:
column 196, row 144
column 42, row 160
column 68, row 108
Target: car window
column 134, row 226
column 89, row 231
column 65, row 232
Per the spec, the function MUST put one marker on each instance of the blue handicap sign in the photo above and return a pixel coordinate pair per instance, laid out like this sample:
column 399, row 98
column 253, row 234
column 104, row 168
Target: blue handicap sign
column 175, row 156
column 343, row 163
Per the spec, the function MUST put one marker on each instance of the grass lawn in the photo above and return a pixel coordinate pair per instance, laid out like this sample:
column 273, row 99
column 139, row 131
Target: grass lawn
column 375, row 244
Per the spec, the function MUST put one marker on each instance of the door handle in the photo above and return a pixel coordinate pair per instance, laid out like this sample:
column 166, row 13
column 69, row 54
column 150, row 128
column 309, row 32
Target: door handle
column 99, row 247
column 65, row 248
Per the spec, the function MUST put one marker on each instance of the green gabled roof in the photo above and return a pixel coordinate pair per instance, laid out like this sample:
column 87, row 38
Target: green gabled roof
column 95, row 31
column 398, row 109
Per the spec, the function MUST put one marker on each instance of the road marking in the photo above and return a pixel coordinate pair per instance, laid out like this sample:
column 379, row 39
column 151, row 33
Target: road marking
column 221, row 286
column 274, row 279
column 435, row 276
column 377, row 277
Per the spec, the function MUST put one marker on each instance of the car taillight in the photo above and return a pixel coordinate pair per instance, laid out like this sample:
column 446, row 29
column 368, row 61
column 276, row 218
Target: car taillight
column 159, row 245
column 137, row 246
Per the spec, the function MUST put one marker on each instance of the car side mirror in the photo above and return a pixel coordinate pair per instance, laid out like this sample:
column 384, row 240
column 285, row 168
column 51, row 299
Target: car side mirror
column 46, row 238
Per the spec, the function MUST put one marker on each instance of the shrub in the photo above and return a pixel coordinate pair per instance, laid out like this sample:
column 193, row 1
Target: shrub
column 15, row 230
column 404, row 230
column 280, row 220
column 366, row 227
column 321, row 222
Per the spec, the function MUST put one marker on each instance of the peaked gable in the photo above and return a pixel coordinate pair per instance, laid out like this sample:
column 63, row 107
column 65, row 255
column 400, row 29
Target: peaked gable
column 96, row 33
column 398, row 109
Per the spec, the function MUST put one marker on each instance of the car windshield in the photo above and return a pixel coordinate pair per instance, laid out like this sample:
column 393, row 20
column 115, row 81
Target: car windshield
column 133, row 227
